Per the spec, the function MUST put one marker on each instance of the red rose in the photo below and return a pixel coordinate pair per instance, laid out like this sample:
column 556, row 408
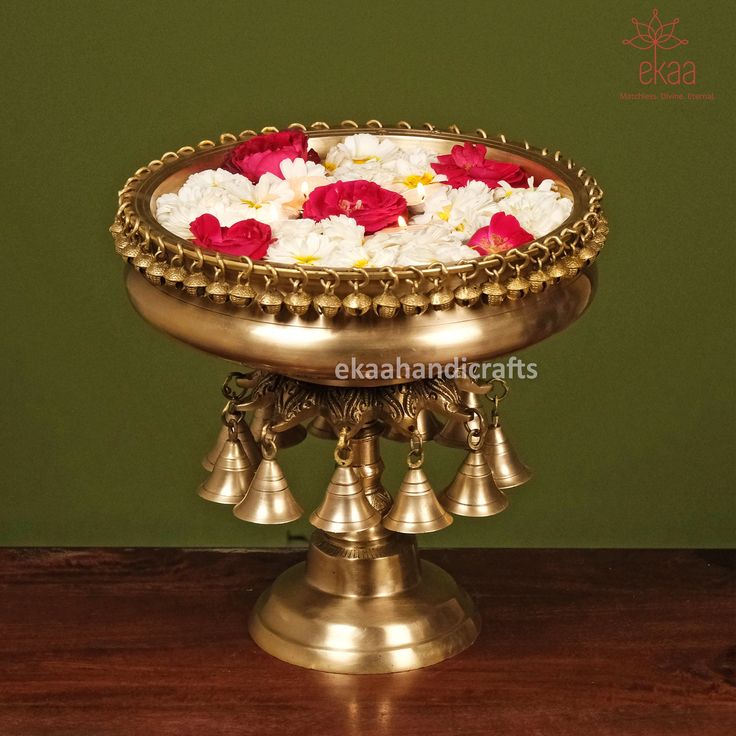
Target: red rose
column 368, row 204
column 263, row 154
column 244, row 238
column 502, row 233
column 469, row 163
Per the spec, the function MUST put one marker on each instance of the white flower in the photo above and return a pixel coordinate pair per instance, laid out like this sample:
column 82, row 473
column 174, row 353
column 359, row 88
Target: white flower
column 435, row 243
column 350, row 257
column 465, row 210
column 539, row 210
column 267, row 201
column 298, row 168
column 417, row 244
column 372, row 171
column 211, row 179
column 176, row 211
column 360, row 149
column 314, row 248
column 343, row 231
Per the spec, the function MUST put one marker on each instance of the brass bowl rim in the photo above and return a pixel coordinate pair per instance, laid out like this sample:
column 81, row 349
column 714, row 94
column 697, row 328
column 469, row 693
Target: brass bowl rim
column 135, row 211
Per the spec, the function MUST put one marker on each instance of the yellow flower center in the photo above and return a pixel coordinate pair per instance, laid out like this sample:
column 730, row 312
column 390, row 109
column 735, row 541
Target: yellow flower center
column 412, row 181
column 444, row 214
column 365, row 160
column 460, row 228
column 251, row 203
column 306, row 259
column 360, row 263
column 329, row 166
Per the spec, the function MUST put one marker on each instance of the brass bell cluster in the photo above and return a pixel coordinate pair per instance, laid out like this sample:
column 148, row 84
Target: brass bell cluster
column 246, row 475
column 244, row 471
column 491, row 466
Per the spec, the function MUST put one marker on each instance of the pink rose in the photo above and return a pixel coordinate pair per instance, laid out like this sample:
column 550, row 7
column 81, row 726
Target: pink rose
column 263, row 154
column 502, row 233
column 469, row 163
column 368, row 204
column 244, row 238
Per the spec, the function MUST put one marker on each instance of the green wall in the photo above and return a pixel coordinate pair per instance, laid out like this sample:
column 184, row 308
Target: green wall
column 629, row 426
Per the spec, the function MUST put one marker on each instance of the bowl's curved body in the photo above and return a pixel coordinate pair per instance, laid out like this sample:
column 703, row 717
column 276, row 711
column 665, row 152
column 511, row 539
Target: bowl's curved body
column 310, row 348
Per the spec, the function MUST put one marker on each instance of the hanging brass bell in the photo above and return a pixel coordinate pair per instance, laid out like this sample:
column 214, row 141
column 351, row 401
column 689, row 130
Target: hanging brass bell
column 556, row 272
column 416, row 509
column 297, row 301
column 386, row 305
column 538, row 281
column 454, row 433
column 441, row 298
column 231, row 474
column 508, row 471
column 130, row 247
column 242, row 294
column 268, row 499
column 244, row 436
column 466, row 295
column 195, row 283
column 493, row 292
column 156, row 272
column 414, row 303
column 572, row 265
column 175, row 275
column 270, row 300
column 217, row 291
column 321, row 428
column 143, row 260
column 345, row 507
column 473, row 491
column 356, row 303
column 587, row 254
column 517, row 288
column 327, row 304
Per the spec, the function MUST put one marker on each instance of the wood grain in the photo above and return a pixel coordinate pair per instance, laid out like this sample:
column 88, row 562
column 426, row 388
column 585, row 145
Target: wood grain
column 103, row 642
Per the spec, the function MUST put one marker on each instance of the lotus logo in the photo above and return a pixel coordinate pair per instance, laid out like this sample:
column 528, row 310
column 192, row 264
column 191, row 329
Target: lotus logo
column 656, row 36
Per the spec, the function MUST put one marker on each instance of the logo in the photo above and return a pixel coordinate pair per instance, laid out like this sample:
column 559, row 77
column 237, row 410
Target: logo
column 657, row 37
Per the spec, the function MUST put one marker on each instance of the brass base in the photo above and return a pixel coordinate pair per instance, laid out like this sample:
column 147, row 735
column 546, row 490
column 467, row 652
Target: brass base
column 364, row 608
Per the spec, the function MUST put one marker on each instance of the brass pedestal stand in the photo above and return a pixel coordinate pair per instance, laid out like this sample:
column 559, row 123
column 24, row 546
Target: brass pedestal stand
column 364, row 608
column 364, row 602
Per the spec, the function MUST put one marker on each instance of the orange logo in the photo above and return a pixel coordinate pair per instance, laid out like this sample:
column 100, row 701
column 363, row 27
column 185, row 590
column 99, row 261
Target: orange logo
column 656, row 36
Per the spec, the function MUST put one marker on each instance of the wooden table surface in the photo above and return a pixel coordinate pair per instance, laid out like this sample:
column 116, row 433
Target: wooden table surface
column 102, row 642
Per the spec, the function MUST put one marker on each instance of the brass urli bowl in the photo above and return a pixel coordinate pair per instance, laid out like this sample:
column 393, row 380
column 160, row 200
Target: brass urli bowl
column 363, row 602
column 497, row 304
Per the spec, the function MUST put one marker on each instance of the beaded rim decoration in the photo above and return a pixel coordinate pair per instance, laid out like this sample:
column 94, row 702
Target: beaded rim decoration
column 166, row 259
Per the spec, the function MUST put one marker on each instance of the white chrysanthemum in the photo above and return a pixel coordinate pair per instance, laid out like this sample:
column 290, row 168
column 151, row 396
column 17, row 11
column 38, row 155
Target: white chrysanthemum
column 465, row 210
column 267, row 201
column 374, row 172
column 292, row 229
column 176, row 211
column 343, row 231
column 313, row 248
column 359, row 150
column 434, row 243
column 539, row 210
column 350, row 257
column 298, row 168
column 211, row 179
column 417, row 244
